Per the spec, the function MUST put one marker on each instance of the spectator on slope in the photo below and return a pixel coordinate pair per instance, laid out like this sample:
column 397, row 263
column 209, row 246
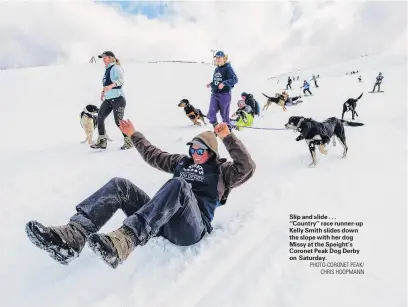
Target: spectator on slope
column 315, row 80
column 181, row 211
column 250, row 101
column 306, row 87
column 113, row 99
column 243, row 117
column 289, row 83
column 224, row 79
column 378, row 81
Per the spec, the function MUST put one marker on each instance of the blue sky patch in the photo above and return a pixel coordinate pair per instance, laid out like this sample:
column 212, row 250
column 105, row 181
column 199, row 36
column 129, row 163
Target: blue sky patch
column 150, row 9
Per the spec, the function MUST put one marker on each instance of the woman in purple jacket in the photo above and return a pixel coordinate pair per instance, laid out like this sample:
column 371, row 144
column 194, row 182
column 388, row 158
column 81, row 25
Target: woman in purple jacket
column 224, row 79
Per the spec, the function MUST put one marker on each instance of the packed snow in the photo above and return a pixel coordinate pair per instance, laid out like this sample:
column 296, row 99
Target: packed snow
column 46, row 172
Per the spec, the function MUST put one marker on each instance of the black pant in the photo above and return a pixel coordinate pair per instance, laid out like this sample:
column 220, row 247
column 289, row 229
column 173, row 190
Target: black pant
column 172, row 213
column 379, row 86
column 118, row 106
column 288, row 85
column 306, row 89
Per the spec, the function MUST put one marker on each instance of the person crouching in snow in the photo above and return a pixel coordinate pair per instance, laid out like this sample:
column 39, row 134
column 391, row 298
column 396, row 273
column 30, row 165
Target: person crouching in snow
column 306, row 86
column 224, row 79
column 243, row 117
column 181, row 211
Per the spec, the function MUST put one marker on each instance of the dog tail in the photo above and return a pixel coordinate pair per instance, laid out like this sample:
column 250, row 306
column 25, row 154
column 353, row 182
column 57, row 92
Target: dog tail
column 266, row 95
column 351, row 124
column 360, row 96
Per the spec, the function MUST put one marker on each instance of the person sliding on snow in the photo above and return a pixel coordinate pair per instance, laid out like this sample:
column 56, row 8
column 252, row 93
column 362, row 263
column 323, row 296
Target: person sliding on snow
column 378, row 82
column 250, row 101
column 224, row 79
column 181, row 211
column 292, row 100
column 289, row 83
column 112, row 97
column 306, row 87
column 360, row 78
column 243, row 117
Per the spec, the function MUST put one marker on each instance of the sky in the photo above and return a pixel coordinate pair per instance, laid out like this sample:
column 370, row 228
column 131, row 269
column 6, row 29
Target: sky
column 263, row 37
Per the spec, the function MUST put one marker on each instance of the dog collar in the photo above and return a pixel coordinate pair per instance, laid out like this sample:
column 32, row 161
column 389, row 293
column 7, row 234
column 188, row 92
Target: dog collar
column 300, row 121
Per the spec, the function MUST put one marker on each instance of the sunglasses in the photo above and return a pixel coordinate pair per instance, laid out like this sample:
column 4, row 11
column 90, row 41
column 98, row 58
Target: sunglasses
column 199, row 151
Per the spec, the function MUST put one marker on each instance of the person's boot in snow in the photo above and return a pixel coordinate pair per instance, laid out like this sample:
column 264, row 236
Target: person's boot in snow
column 127, row 143
column 101, row 143
column 63, row 243
column 114, row 247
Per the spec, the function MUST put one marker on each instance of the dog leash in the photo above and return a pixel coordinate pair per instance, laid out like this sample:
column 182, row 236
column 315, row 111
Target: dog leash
column 263, row 128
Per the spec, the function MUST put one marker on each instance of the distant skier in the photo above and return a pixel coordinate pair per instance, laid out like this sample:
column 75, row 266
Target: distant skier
column 360, row 79
column 181, row 211
column 315, row 80
column 289, row 83
column 306, row 87
column 378, row 82
column 297, row 78
column 224, row 79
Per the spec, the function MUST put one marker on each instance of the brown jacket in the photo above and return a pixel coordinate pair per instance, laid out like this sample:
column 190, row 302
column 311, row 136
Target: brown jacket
column 232, row 174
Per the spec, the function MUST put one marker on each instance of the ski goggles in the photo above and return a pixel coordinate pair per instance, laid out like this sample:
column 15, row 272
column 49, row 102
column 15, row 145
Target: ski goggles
column 198, row 151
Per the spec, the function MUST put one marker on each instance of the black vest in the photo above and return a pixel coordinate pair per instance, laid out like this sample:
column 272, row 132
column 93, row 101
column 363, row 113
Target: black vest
column 107, row 79
column 204, row 182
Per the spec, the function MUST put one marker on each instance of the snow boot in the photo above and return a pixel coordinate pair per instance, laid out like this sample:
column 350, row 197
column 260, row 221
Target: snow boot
column 101, row 143
column 63, row 243
column 114, row 247
column 127, row 143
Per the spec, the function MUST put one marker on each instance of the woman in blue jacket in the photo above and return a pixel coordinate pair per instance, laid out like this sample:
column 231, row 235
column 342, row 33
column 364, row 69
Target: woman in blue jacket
column 224, row 79
column 113, row 99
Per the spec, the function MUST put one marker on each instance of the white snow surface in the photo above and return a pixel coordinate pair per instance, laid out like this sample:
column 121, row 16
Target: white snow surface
column 46, row 172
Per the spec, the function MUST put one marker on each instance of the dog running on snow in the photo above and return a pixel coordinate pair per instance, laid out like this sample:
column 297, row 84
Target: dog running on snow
column 194, row 114
column 317, row 133
column 350, row 105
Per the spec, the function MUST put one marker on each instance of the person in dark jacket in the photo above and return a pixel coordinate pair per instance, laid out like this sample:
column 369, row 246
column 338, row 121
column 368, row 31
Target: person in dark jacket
column 181, row 211
column 250, row 101
column 224, row 79
column 113, row 99
column 289, row 83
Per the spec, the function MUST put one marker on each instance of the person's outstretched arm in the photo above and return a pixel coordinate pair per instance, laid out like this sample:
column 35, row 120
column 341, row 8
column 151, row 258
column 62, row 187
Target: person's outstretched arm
column 242, row 166
column 155, row 157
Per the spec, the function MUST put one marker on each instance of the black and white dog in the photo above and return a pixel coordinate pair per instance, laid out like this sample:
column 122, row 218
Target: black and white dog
column 317, row 133
column 350, row 105
column 89, row 121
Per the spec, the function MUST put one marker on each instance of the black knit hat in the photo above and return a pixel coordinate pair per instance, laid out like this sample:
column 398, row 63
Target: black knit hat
column 244, row 94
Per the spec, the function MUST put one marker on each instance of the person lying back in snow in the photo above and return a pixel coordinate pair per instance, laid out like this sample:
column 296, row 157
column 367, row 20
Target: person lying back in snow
column 181, row 211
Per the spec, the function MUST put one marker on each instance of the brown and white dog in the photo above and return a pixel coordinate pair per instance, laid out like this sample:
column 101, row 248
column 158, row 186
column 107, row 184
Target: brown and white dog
column 279, row 99
column 193, row 113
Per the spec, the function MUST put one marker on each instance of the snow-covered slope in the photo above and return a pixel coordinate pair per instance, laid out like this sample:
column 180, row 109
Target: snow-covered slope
column 45, row 172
